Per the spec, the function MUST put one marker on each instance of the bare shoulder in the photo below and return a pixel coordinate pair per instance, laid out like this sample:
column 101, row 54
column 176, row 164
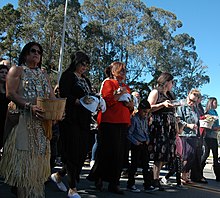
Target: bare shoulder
column 15, row 71
column 152, row 98
column 153, row 93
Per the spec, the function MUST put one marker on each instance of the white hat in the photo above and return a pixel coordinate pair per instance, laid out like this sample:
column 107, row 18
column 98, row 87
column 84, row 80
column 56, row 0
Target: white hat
column 92, row 103
column 125, row 97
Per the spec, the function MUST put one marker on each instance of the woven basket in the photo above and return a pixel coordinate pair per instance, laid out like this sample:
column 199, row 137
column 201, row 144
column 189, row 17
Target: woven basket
column 205, row 124
column 54, row 108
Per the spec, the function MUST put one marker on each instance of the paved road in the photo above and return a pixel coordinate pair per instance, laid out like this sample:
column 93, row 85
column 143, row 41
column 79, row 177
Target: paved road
column 87, row 190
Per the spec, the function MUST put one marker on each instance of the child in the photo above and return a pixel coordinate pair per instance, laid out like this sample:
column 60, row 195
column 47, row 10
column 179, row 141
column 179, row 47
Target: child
column 177, row 163
column 138, row 136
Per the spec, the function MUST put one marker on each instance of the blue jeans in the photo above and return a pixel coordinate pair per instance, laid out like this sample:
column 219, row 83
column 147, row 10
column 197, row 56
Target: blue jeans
column 94, row 148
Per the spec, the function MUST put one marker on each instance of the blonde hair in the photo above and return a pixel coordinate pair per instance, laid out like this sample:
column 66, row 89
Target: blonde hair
column 196, row 93
column 116, row 67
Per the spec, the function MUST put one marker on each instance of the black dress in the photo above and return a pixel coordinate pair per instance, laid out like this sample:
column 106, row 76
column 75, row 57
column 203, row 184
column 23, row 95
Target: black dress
column 74, row 129
column 3, row 110
column 162, row 132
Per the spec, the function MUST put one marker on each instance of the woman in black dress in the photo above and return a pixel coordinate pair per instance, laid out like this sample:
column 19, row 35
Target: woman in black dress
column 74, row 129
column 3, row 101
column 162, row 130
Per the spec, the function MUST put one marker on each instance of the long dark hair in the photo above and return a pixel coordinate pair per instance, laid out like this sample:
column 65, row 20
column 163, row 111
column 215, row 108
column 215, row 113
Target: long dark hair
column 209, row 104
column 163, row 78
column 76, row 59
column 26, row 50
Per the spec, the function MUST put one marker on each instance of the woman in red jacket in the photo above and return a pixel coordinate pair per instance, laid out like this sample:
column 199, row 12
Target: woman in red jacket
column 113, row 127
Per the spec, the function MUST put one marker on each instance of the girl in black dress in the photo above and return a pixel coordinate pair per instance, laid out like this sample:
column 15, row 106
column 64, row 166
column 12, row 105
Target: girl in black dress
column 162, row 129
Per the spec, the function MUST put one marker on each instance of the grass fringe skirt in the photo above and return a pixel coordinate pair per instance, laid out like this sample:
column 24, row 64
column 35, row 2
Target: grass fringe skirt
column 27, row 169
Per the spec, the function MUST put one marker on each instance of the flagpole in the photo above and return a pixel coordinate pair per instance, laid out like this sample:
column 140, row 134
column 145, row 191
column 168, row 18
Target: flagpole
column 62, row 45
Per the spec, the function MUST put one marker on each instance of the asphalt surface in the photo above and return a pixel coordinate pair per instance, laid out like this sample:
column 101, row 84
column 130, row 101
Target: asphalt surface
column 87, row 189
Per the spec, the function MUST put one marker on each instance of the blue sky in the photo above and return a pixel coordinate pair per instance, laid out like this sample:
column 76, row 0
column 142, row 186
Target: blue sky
column 201, row 21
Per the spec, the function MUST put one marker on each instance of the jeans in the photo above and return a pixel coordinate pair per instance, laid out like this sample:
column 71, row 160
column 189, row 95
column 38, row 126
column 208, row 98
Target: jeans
column 94, row 148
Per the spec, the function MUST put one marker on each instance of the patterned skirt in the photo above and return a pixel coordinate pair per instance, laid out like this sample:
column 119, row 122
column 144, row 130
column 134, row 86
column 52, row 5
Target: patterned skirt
column 162, row 133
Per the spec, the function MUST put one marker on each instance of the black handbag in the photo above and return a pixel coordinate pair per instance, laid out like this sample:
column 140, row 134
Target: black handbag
column 12, row 119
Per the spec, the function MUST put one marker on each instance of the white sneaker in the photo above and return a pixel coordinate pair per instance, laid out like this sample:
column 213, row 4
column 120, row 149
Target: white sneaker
column 74, row 195
column 164, row 181
column 92, row 162
column 60, row 184
column 133, row 189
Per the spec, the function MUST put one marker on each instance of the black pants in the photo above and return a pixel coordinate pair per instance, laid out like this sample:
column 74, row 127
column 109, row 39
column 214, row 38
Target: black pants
column 74, row 150
column 192, row 152
column 210, row 144
column 176, row 168
column 139, row 156
column 196, row 170
column 110, row 153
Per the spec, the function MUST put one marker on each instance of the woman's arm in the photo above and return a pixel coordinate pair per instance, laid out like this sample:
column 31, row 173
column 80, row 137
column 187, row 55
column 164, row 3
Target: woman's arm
column 152, row 99
column 12, row 84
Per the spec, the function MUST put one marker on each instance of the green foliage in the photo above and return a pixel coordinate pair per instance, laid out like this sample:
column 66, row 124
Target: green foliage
column 143, row 37
column 10, row 28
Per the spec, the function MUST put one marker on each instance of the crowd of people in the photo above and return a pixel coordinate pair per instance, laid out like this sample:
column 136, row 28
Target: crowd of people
column 155, row 128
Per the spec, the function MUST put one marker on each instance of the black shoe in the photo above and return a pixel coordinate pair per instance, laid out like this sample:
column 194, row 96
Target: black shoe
column 157, row 185
column 115, row 189
column 151, row 189
column 201, row 181
column 14, row 190
column 99, row 185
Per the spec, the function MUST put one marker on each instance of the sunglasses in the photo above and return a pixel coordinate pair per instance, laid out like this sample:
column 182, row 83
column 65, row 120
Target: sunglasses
column 191, row 100
column 85, row 64
column 35, row 51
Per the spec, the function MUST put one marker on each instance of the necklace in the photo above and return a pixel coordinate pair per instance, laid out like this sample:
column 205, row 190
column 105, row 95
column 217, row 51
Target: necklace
column 38, row 82
column 78, row 75
column 83, row 84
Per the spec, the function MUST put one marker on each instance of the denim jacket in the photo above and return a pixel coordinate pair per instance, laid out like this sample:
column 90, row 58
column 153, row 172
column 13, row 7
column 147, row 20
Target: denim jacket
column 188, row 116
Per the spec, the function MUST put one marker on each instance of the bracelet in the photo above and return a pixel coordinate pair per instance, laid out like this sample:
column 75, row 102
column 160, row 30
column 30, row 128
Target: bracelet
column 27, row 106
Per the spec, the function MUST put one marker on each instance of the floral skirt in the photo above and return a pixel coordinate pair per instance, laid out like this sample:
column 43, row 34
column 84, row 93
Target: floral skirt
column 162, row 134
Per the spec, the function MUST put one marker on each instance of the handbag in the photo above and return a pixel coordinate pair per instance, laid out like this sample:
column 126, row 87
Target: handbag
column 12, row 119
column 13, row 114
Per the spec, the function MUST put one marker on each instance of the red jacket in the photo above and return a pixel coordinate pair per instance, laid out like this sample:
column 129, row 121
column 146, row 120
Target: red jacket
column 116, row 111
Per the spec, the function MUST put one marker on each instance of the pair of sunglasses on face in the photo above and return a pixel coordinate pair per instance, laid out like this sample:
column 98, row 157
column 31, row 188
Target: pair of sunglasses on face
column 35, row 51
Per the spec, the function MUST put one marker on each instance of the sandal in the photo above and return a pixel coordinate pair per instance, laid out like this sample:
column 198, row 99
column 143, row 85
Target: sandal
column 186, row 181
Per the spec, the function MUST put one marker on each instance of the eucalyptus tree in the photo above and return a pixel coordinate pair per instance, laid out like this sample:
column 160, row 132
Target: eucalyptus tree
column 145, row 39
column 168, row 51
column 98, row 40
column 113, row 33
column 10, row 28
column 43, row 22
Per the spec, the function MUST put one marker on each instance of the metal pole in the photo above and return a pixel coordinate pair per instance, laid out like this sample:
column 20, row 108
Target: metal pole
column 62, row 45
